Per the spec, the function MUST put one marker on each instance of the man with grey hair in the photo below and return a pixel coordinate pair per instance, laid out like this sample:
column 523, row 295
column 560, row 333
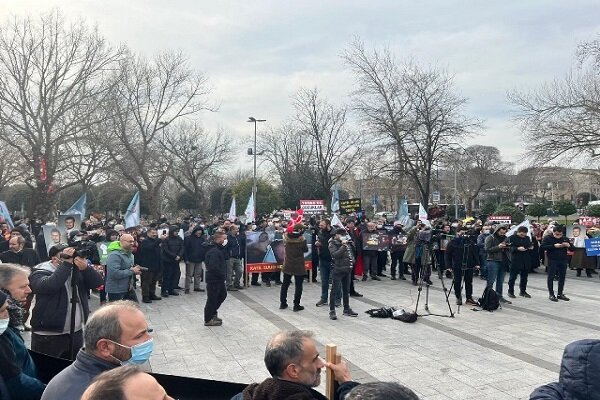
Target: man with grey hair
column 292, row 359
column 381, row 391
column 115, row 334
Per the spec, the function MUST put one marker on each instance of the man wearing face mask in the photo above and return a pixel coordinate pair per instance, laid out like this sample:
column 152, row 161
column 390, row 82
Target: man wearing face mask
column 16, row 365
column 51, row 315
column 116, row 334
column 216, row 274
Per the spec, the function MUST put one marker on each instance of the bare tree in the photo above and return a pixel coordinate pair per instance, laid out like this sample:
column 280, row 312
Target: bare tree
column 11, row 169
column 335, row 147
column 150, row 96
column 413, row 109
column 52, row 81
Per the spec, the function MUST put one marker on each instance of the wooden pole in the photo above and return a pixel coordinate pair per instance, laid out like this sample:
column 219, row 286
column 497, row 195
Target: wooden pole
column 330, row 357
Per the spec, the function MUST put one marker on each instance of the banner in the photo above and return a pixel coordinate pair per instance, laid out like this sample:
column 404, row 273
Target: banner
column 350, row 206
column 265, row 253
column 5, row 215
column 500, row 219
column 132, row 215
column 592, row 246
column 335, row 200
column 78, row 207
column 589, row 221
column 313, row 207
column 250, row 217
column 379, row 240
column 54, row 235
column 67, row 223
column 232, row 210
column 103, row 251
column 335, row 221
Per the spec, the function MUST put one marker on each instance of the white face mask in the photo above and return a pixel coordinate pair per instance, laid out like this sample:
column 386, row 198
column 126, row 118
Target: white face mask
column 3, row 325
column 455, row 225
column 224, row 242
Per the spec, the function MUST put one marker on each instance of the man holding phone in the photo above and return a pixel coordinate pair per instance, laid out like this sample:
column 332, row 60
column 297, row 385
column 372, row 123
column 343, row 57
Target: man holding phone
column 496, row 249
column 119, row 271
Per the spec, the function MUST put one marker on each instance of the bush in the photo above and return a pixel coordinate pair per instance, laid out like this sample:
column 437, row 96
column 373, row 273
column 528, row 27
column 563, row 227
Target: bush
column 565, row 208
column 593, row 211
column 536, row 210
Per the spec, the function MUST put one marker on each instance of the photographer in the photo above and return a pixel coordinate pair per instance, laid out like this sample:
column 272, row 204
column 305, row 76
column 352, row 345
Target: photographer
column 51, row 315
column 462, row 256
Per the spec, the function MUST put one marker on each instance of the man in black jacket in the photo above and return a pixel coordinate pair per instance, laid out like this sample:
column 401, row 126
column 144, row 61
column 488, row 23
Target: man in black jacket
column 235, row 270
column 556, row 246
column 17, row 253
column 462, row 255
column 194, row 251
column 172, row 251
column 148, row 256
column 520, row 261
column 216, row 273
column 325, row 233
column 51, row 283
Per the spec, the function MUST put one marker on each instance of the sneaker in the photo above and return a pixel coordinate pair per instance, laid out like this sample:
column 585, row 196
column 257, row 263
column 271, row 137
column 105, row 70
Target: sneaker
column 238, row 287
column 321, row 303
column 338, row 305
column 375, row 278
column 332, row 315
column 213, row 322
column 382, row 275
column 355, row 294
column 503, row 300
column 562, row 297
column 283, row 306
column 471, row 302
column 255, row 284
column 393, row 278
column 231, row 289
column 459, row 301
column 146, row 300
column 198, row 290
column 217, row 319
column 525, row 294
column 298, row 308
column 350, row 313
column 553, row 298
column 364, row 278
column 512, row 295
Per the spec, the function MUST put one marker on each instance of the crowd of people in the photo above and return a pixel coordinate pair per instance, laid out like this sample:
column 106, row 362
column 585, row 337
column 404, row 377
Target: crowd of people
column 48, row 291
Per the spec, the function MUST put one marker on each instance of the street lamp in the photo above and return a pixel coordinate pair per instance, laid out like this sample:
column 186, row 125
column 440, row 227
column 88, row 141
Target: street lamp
column 255, row 121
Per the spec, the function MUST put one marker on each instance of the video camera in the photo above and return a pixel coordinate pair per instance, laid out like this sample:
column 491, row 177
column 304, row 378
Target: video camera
column 83, row 248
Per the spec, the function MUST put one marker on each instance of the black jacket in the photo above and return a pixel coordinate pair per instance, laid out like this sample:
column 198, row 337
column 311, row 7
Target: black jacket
column 323, row 236
column 279, row 389
column 194, row 249
column 552, row 252
column 519, row 259
column 148, row 254
column 216, row 268
column 459, row 250
column 234, row 247
column 26, row 257
column 51, row 297
column 342, row 255
column 172, row 247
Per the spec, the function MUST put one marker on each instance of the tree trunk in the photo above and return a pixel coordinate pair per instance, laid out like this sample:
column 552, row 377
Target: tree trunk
column 152, row 196
column 42, row 201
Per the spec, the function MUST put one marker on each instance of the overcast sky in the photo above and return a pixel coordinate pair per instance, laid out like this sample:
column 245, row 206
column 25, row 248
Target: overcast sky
column 259, row 53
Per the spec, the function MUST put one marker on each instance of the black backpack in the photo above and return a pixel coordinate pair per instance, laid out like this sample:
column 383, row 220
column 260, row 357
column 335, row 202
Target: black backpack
column 489, row 300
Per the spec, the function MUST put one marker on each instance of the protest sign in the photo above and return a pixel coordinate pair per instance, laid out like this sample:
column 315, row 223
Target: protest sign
column 266, row 252
column 592, row 246
column 350, row 206
column 378, row 240
column 313, row 207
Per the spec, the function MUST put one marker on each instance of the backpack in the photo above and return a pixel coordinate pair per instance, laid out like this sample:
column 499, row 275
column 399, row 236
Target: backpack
column 489, row 300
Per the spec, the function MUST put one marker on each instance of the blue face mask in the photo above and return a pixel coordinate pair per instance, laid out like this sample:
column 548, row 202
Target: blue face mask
column 140, row 353
column 3, row 325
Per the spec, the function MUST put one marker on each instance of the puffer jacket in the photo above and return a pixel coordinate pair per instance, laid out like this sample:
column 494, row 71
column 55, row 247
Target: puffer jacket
column 342, row 255
column 295, row 247
column 579, row 374
column 493, row 251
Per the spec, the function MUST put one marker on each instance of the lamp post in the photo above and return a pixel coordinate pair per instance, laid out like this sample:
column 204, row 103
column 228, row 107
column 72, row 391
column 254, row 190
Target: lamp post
column 255, row 121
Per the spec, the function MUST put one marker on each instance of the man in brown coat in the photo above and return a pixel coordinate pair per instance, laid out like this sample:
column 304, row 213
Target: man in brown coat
column 293, row 265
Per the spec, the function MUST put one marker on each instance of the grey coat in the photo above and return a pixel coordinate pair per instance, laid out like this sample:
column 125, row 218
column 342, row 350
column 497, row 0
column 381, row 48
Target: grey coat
column 118, row 272
column 410, row 254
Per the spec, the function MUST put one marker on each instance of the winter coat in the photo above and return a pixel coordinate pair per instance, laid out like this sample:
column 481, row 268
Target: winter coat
column 51, row 296
column 554, row 254
column 172, row 247
column 279, row 389
column 410, row 255
column 118, row 271
column 396, row 247
column 25, row 257
column 234, row 248
column 216, row 268
column 295, row 247
column 492, row 249
column 18, row 370
column 194, row 249
column 71, row 382
column 579, row 374
column 342, row 255
column 519, row 259
column 148, row 254
column 455, row 253
column 323, row 237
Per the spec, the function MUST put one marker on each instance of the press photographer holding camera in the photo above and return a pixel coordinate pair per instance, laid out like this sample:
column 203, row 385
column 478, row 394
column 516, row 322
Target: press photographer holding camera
column 52, row 284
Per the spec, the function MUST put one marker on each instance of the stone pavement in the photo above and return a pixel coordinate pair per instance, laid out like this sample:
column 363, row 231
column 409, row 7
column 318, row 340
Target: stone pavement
column 476, row 355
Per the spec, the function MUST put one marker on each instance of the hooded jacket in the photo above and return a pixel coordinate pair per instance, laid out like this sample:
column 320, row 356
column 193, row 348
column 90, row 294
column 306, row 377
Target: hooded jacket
column 579, row 374
column 194, row 249
column 18, row 370
column 216, row 268
column 295, row 247
column 493, row 250
column 172, row 246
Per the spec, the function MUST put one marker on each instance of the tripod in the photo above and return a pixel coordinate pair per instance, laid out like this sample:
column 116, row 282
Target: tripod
column 420, row 287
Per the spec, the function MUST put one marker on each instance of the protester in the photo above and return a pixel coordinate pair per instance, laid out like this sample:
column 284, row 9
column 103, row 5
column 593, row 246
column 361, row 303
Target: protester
column 520, row 261
column 556, row 246
column 497, row 262
column 193, row 254
column 292, row 359
column 51, row 283
column 125, row 383
column 17, row 368
column 172, row 254
column 381, row 391
column 17, row 253
column 293, row 265
column 216, row 273
column 235, row 270
column 342, row 254
column 370, row 257
column 120, row 270
column 148, row 257
column 462, row 256
column 115, row 334
column 397, row 249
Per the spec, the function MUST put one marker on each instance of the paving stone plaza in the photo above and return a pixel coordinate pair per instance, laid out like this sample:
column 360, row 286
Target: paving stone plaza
column 476, row 355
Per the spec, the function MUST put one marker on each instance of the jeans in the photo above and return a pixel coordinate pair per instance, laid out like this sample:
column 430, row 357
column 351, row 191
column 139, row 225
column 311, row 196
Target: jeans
column 483, row 264
column 560, row 268
column 325, row 267
column 216, row 293
column 340, row 281
column 495, row 273
column 193, row 271
column 298, row 282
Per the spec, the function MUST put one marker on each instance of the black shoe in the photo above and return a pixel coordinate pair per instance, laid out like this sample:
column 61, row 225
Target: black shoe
column 355, row 294
column 198, row 290
column 512, row 295
column 164, row 294
column 428, row 281
column 589, row 274
column 283, row 306
column 315, row 281
column 350, row 313
column 298, row 308
column 338, row 305
column 459, row 301
column 278, row 283
column 173, row 293
column 179, row 288
column 503, row 300
column 146, row 300
column 268, row 283
column 364, row 278
column 321, row 303
column 525, row 294
column 401, row 277
column 332, row 315
column 375, row 278
column 553, row 298
column 238, row 287
column 415, row 283
column 578, row 272
column 382, row 275
column 155, row 297
column 255, row 284
column 563, row 297
column 231, row 289
column 393, row 278
column 593, row 272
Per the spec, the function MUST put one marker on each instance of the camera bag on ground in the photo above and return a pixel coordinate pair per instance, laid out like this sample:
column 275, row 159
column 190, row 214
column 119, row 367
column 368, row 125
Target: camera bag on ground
column 489, row 300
